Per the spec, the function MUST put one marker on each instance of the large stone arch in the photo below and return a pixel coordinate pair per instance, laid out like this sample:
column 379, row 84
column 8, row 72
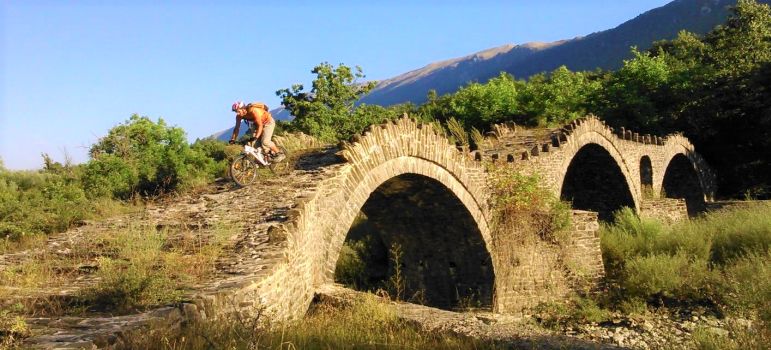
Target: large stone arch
column 396, row 168
column 317, row 226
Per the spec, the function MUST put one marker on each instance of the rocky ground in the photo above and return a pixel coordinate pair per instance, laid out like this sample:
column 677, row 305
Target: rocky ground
column 663, row 330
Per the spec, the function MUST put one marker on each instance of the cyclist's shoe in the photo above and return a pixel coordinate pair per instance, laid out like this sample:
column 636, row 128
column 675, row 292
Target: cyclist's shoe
column 279, row 157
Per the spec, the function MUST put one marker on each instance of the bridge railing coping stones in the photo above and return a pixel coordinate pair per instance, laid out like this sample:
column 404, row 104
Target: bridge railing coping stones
column 564, row 136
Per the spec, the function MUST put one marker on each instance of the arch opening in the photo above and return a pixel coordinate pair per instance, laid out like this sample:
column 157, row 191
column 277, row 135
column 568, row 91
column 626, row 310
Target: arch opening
column 646, row 176
column 682, row 181
column 415, row 223
column 595, row 182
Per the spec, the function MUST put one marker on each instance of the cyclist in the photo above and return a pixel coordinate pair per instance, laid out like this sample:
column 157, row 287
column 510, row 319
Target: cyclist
column 262, row 124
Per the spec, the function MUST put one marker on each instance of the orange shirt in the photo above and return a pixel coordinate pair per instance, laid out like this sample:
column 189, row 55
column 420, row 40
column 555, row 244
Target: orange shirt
column 257, row 112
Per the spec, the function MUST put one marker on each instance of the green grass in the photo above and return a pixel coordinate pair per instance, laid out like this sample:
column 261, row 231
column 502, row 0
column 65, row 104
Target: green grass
column 721, row 260
column 44, row 202
column 143, row 267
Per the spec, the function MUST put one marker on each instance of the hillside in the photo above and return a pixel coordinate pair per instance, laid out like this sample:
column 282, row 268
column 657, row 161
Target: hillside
column 606, row 50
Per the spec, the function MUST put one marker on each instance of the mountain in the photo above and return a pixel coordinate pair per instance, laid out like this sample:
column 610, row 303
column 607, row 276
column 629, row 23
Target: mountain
column 606, row 50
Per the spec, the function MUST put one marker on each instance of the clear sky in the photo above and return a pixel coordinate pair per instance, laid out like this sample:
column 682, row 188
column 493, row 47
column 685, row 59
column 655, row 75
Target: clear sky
column 70, row 70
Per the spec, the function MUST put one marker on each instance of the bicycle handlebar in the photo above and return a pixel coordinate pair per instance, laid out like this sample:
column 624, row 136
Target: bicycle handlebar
column 245, row 141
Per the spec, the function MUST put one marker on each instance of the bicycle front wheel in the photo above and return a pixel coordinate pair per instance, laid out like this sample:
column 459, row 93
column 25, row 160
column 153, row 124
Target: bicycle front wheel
column 243, row 170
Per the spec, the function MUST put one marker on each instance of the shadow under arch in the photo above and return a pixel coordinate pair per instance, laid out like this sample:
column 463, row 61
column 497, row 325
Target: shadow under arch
column 444, row 261
column 682, row 181
column 594, row 181
column 646, row 172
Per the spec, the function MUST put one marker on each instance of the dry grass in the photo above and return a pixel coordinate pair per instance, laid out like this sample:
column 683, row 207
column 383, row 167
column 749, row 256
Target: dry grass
column 126, row 270
column 370, row 323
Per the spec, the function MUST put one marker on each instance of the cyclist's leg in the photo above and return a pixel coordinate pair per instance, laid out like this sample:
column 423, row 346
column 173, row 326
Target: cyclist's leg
column 267, row 134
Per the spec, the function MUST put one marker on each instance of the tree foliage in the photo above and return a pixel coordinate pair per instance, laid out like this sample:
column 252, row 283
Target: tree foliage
column 716, row 89
column 329, row 110
column 142, row 157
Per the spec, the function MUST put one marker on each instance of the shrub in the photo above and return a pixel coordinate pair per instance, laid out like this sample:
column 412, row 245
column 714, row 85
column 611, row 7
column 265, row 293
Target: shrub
column 520, row 201
column 677, row 276
column 720, row 259
column 738, row 232
column 747, row 285
column 141, row 157
column 33, row 202
column 351, row 268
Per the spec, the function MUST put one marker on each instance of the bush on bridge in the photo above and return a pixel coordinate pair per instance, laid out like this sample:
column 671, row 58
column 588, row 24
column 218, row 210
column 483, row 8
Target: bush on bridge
column 521, row 204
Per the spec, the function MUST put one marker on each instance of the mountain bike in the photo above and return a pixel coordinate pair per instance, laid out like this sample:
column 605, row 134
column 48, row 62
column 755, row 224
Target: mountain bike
column 245, row 167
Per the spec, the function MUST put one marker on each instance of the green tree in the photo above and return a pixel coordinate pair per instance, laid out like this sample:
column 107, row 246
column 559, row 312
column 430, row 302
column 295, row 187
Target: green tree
column 145, row 158
column 328, row 111
column 633, row 95
column 743, row 43
column 715, row 89
column 480, row 105
column 556, row 98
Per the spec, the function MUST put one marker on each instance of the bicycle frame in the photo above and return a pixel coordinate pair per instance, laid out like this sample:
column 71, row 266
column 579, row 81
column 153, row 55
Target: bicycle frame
column 257, row 153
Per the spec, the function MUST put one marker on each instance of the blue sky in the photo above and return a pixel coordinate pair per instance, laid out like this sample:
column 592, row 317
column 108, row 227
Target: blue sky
column 71, row 70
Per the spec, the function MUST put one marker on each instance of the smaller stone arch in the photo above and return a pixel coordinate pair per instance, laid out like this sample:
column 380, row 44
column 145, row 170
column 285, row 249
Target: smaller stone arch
column 592, row 131
column 678, row 148
column 594, row 181
column 646, row 176
column 681, row 181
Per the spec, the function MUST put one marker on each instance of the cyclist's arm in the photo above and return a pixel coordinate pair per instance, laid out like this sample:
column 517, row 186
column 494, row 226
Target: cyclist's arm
column 236, row 129
column 258, row 132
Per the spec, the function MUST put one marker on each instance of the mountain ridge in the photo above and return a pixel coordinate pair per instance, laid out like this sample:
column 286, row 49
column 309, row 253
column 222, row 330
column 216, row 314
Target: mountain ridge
column 604, row 49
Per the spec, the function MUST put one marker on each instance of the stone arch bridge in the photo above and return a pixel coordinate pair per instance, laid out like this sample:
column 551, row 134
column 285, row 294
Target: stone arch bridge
column 431, row 198
column 403, row 184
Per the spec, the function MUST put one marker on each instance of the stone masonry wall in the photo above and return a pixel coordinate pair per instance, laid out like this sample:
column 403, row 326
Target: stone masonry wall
column 665, row 209
column 584, row 257
column 538, row 271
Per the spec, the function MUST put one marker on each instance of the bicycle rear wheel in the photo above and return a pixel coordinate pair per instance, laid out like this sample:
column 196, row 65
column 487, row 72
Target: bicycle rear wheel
column 243, row 170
